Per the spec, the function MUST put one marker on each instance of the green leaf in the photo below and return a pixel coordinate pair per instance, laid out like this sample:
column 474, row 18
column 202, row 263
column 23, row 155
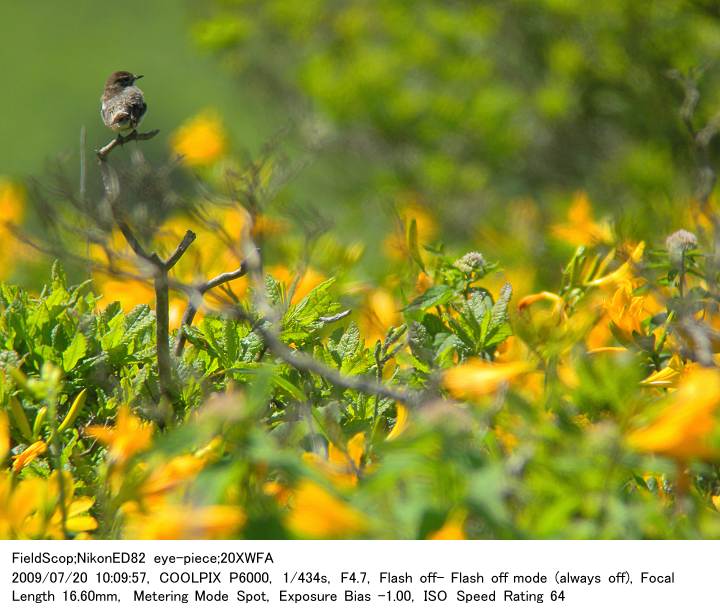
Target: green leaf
column 434, row 296
column 274, row 290
column 500, row 309
column 302, row 319
column 349, row 343
column 75, row 352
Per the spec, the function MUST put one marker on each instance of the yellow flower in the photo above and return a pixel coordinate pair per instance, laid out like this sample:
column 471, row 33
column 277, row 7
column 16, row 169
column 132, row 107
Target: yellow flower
column 401, row 422
column 627, row 311
column 173, row 473
column 201, row 140
column 379, row 313
column 477, row 378
column 308, row 281
column 316, row 513
column 581, row 229
column 529, row 300
column 21, row 460
column 12, row 208
column 129, row 436
column 4, row 436
column 667, row 376
column 341, row 467
column 624, row 273
column 452, row 529
column 396, row 244
column 31, row 509
column 184, row 522
column 279, row 491
column 12, row 202
column 685, row 425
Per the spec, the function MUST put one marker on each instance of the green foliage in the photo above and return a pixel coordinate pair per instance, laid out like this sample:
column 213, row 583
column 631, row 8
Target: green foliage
column 469, row 102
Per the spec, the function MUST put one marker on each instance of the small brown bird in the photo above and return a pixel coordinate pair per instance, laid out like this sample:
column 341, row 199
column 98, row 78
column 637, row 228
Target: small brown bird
column 123, row 104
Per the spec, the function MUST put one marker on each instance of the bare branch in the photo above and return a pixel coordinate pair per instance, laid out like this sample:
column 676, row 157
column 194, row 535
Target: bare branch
column 200, row 290
column 303, row 361
column 122, row 140
column 184, row 244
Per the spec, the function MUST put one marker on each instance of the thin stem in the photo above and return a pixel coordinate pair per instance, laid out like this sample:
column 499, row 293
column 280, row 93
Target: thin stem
column 162, row 316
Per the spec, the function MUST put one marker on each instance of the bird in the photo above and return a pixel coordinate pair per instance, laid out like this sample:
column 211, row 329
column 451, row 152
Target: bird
column 122, row 103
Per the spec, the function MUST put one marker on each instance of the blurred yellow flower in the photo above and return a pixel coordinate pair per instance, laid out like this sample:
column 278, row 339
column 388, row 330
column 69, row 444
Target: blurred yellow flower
column 129, row 436
column 318, row 514
column 687, row 421
column 201, row 140
column 4, row 435
column 171, row 474
column 624, row 273
column 309, row 280
column 12, row 202
column 341, row 467
column 21, row 460
column 277, row 490
column 627, row 311
column 667, row 376
column 12, row 210
column 477, row 377
column 379, row 313
column 183, row 522
column 31, row 508
column 396, row 244
column 581, row 228
column 529, row 300
column 401, row 422
column 452, row 529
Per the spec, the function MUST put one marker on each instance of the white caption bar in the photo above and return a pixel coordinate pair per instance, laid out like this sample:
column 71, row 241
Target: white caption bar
column 322, row 577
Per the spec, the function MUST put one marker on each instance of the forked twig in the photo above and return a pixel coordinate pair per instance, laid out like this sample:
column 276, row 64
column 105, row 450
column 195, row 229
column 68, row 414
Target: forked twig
column 122, row 140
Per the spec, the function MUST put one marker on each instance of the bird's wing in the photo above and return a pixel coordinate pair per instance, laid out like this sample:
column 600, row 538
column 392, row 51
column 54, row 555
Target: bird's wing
column 136, row 105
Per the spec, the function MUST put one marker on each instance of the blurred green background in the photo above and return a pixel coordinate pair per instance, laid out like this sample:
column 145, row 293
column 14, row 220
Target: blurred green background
column 462, row 107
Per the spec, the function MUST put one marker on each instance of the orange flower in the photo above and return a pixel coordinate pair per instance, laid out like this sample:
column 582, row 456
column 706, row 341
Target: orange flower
column 379, row 314
column 309, row 280
column 396, row 244
column 184, row 522
column 173, row 473
column 129, row 436
column 452, row 529
column 201, row 140
column 684, row 428
column 581, row 229
column 21, row 460
column 401, row 423
column 12, row 202
column 318, row 514
column 341, row 467
column 4, row 435
column 477, row 378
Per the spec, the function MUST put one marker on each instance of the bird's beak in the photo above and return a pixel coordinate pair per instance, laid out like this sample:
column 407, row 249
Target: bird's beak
column 139, row 77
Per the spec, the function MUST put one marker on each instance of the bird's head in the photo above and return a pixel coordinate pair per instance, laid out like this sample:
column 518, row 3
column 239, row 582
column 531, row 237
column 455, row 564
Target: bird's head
column 121, row 79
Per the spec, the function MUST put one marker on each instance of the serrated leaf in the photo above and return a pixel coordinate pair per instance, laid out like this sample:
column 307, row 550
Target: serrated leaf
column 273, row 289
column 301, row 320
column 232, row 341
column 349, row 343
column 434, row 296
column 420, row 342
column 74, row 352
column 500, row 309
